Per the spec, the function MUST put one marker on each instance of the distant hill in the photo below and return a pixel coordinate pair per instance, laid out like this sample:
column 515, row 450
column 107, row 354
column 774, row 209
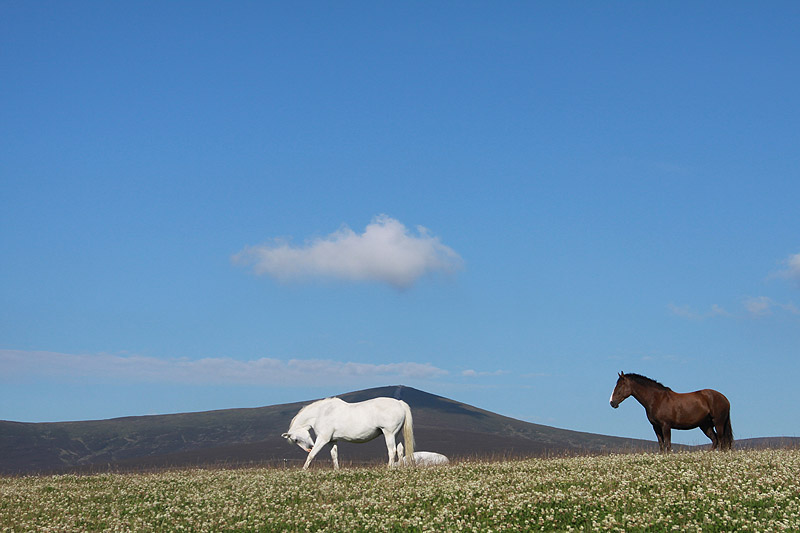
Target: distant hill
column 761, row 443
column 235, row 437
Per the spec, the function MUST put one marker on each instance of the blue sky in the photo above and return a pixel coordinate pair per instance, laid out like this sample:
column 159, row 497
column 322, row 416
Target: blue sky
column 210, row 205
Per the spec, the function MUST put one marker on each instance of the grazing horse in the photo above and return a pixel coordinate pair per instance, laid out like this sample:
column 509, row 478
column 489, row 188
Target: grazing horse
column 334, row 419
column 666, row 410
column 422, row 458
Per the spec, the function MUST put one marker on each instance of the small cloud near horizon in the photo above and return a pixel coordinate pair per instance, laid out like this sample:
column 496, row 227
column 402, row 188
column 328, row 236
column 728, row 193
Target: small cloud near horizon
column 685, row 311
column 763, row 305
column 469, row 373
column 792, row 270
column 18, row 364
column 754, row 307
column 386, row 252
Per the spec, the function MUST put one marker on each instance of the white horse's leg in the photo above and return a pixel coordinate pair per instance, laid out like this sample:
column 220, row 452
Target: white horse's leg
column 318, row 444
column 334, row 454
column 391, row 446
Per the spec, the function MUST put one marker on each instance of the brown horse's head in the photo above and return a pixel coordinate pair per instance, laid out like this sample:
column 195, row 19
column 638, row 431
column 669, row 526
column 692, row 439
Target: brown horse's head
column 621, row 391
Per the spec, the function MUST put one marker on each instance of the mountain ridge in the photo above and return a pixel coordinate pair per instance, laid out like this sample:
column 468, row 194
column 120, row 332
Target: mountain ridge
column 244, row 436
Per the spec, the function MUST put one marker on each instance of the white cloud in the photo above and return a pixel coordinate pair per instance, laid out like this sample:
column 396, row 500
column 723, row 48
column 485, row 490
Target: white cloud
column 758, row 306
column 386, row 252
column 536, row 375
column 687, row 312
column 763, row 306
column 209, row 371
column 667, row 358
column 792, row 270
column 474, row 373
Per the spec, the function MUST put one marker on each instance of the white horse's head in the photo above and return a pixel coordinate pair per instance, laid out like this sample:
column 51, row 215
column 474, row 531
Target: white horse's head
column 300, row 436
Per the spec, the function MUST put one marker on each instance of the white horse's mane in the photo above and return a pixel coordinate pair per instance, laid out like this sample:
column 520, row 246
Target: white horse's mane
column 309, row 406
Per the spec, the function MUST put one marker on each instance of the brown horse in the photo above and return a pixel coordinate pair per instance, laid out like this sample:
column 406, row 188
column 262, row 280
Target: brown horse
column 667, row 410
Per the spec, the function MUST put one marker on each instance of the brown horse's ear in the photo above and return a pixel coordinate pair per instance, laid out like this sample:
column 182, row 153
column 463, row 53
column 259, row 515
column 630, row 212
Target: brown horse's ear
column 621, row 374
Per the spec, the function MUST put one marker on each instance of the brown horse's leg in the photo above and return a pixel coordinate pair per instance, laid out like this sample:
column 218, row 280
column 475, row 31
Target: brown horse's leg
column 667, row 437
column 723, row 426
column 660, row 436
column 708, row 429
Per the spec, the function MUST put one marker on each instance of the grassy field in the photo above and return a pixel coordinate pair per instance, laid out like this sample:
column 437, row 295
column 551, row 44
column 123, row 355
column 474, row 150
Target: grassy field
column 699, row 491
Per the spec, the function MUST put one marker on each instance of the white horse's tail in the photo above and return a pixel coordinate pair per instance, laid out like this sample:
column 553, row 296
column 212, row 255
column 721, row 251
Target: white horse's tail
column 408, row 433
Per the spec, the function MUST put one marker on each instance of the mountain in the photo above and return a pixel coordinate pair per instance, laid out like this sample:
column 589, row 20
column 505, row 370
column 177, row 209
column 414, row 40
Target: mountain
column 761, row 443
column 236, row 437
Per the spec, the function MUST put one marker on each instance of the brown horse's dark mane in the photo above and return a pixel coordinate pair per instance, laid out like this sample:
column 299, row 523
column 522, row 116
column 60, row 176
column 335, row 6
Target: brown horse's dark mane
column 647, row 382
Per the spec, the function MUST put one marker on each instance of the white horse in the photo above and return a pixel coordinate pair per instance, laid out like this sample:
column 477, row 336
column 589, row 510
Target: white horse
column 423, row 458
column 333, row 419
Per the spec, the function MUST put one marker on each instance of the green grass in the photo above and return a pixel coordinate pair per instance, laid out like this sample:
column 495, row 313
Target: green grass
column 699, row 491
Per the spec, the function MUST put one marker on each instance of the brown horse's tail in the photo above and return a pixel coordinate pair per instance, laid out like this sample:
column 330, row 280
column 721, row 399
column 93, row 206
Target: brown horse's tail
column 726, row 439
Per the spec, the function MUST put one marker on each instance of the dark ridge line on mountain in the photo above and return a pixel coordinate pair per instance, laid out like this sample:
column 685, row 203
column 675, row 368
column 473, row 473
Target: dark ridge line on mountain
column 251, row 435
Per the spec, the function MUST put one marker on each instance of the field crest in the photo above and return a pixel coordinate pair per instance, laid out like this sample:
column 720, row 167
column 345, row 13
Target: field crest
column 697, row 491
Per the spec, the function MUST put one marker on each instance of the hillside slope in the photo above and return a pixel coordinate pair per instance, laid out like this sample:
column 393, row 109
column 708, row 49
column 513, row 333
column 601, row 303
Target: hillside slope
column 241, row 436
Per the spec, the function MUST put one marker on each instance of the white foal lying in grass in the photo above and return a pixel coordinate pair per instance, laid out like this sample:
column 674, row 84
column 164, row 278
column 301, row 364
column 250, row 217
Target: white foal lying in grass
column 422, row 458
